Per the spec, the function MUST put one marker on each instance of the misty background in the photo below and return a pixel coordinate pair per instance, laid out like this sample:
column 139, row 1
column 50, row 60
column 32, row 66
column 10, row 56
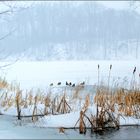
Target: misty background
column 70, row 31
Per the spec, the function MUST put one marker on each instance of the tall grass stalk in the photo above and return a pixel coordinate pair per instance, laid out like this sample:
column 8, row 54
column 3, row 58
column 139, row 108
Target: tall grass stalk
column 98, row 74
column 109, row 76
column 139, row 82
column 97, row 101
column 132, row 83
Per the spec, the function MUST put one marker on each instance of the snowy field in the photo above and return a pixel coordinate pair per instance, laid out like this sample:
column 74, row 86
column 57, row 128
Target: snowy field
column 41, row 74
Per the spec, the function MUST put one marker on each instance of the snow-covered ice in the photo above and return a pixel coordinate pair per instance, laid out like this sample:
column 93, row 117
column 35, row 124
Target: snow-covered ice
column 70, row 119
column 40, row 74
column 10, row 128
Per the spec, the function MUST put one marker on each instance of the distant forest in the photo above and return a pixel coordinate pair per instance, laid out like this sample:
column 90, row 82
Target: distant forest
column 71, row 31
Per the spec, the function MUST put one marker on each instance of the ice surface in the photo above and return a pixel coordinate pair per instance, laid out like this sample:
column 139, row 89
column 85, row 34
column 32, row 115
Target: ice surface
column 10, row 129
column 41, row 74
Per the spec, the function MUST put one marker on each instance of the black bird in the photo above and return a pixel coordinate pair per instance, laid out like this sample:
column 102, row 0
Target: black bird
column 134, row 70
column 70, row 83
column 73, row 85
column 83, row 83
column 110, row 67
column 59, row 83
column 67, row 83
column 51, row 84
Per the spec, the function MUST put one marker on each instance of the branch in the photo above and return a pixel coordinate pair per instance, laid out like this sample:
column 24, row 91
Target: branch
column 3, row 12
column 4, row 57
column 14, row 8
column 9, row 64
column 3, row 37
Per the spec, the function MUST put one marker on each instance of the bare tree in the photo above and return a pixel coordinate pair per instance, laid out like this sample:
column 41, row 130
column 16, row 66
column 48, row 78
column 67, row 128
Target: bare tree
column 9, row 8
column 134, row 4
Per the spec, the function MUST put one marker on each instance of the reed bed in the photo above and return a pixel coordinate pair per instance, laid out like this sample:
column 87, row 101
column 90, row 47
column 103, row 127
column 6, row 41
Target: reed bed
column 110, row 103
column 126, row 102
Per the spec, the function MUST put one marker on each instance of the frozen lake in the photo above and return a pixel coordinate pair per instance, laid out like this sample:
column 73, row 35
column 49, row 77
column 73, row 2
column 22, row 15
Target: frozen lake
column 10, row 129
column 41, row 74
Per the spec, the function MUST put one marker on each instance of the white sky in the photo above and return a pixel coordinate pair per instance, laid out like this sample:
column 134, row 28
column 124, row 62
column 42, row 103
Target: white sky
column 109, row 4
column 115, row 4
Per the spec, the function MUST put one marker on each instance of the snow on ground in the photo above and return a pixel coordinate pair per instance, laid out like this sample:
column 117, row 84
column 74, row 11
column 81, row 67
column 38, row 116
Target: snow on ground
column 64, row 120
column 41, row 74
column 70, row 119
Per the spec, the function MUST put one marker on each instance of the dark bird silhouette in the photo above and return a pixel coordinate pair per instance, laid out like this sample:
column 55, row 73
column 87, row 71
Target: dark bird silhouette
column 67, row 83
column 73, row 85
column 110, row 67
column 51, row 84
column 59, row 83
column 82, row 84
column 70, row 83
column 134, row 70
